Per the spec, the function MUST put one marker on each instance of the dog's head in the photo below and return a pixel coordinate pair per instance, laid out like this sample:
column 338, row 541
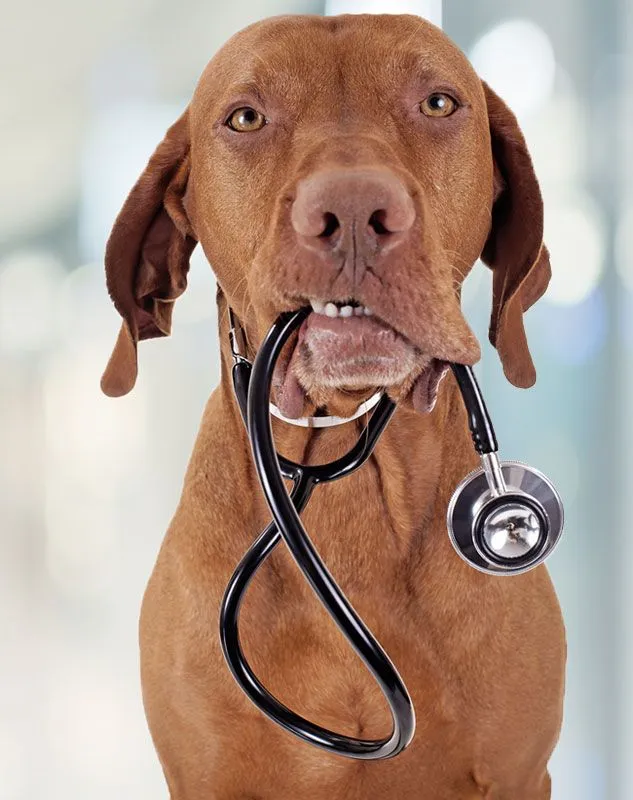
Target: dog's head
column 356, row 163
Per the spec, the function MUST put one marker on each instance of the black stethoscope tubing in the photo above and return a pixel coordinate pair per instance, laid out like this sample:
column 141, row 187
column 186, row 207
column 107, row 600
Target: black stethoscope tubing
column 252, row 386
column 285, row 510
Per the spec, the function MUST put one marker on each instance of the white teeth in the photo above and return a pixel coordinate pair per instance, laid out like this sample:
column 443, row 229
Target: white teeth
column 333, row 310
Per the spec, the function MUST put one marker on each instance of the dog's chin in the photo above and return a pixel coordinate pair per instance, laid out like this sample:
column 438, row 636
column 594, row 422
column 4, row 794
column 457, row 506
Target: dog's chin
column 335, row 361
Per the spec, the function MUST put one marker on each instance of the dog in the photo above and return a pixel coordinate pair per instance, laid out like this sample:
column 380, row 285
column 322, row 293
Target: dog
column 359, row 164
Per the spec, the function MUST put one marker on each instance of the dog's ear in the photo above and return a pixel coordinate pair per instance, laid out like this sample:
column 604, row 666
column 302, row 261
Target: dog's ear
column 514, row 250
column 147, row 255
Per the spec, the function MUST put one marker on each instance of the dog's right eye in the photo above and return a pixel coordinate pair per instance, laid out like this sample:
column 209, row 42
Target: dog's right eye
column 439, row 104
column 245, row 120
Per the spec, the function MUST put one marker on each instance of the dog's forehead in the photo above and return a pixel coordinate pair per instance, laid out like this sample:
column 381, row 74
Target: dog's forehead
column 294, row 54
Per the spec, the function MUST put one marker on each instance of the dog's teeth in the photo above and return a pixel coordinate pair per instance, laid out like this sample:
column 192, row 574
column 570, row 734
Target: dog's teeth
column 368, row 312
column 333, row 310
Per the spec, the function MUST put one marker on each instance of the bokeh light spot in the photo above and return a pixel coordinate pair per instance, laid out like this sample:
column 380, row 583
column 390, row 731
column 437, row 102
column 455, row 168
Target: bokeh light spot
column 516, row 58
column 574, row 237
column 576, row 333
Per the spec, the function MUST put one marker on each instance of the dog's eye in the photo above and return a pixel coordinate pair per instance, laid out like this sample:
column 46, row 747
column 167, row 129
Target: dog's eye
column 246, row 119
column 438, row 104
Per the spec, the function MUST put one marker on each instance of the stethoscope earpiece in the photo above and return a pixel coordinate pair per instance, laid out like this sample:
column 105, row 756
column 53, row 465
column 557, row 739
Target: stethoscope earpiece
column 507, row 531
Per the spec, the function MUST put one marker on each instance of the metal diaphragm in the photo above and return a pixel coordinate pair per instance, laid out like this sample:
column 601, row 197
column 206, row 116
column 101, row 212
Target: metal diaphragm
column 510, row 533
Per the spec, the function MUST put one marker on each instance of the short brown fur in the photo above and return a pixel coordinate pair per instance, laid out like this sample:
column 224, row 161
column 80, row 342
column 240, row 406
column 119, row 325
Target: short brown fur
column 483, row 657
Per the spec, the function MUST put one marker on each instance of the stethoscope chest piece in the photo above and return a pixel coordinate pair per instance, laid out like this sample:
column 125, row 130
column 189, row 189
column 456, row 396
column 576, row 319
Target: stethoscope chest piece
column 508, row 532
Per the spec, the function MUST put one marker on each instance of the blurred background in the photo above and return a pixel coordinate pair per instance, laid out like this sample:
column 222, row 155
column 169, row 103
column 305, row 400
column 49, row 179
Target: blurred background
column 88, row 484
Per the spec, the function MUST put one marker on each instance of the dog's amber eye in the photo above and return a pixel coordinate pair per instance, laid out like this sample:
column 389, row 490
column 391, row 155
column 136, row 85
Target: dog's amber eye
column 246, row 119
column 438, row 104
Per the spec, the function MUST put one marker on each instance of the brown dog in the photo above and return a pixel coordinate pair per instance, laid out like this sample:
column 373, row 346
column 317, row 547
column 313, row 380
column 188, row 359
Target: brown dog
column 357, row 161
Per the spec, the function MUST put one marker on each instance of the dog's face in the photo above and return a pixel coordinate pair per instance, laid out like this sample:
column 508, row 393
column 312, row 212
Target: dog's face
column 359, row 165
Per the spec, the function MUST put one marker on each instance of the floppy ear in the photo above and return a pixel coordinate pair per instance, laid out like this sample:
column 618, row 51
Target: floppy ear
column 147, row 255
column 514, row 250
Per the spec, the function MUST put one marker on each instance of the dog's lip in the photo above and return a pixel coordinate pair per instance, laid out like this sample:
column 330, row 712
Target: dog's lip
column 363, row 354
column 349, row 353
column 361, row 349
column 351, row 327
column 373, row 324
column 371, row 320
column 450, row 347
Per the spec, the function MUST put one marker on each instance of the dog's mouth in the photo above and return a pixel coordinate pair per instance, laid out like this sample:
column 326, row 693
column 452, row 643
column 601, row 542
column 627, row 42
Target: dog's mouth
column 344, row 345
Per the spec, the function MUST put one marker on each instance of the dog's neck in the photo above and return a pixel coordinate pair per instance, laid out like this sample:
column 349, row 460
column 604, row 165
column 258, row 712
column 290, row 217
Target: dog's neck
column 418, row 463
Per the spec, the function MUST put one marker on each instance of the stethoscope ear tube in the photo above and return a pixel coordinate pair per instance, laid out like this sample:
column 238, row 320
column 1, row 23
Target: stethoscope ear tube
column 479, row 422
column 242, row 367
column 241, row 376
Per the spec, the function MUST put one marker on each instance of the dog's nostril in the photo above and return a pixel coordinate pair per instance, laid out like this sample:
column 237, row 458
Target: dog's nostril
column 377, row 222
column 331, row 225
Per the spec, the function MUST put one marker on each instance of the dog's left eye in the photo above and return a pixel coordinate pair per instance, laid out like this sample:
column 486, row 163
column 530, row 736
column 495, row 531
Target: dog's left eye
column 245, row 120
column 439, row 104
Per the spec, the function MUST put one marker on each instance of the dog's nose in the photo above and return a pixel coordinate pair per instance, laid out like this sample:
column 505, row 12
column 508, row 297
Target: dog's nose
column 364, row 211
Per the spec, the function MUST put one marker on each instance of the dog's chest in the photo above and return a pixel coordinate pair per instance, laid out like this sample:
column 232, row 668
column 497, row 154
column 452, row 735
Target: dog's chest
column 372, row 534
column 374, row 517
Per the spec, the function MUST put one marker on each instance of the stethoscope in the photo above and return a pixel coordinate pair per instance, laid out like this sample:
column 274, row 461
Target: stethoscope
column 503, row 519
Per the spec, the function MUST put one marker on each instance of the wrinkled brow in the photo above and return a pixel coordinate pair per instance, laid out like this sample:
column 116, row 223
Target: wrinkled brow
column 290, row 83
column 248, row 87
column 435, row 64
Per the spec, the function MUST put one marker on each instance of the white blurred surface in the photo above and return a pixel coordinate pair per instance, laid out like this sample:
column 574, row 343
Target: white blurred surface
column 88, row 484
column 429, row 9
